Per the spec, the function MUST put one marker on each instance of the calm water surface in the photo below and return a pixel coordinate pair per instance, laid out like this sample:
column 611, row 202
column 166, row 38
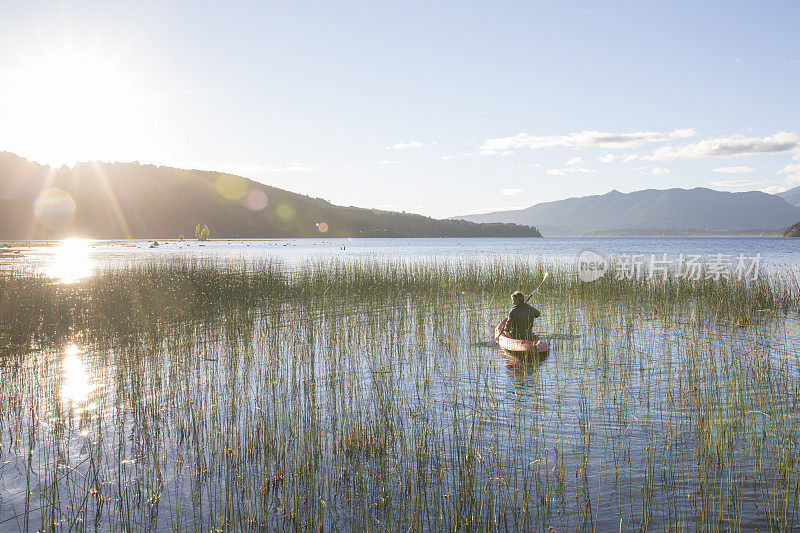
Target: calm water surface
column 79, row 258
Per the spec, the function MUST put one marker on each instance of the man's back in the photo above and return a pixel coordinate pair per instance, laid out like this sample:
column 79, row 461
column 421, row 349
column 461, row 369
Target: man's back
column 520, row 321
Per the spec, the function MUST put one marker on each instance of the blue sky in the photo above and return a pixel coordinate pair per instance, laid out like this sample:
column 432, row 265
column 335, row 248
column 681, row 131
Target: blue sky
column 439, row 108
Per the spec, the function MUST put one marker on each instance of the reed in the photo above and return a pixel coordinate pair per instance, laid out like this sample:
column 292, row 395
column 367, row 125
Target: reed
column 334, row 395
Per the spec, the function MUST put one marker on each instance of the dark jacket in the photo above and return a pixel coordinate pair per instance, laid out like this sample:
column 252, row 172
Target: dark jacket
column 520, row 321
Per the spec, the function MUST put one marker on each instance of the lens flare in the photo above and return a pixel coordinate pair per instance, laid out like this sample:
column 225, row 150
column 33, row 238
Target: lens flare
column 231, row 187
column 54, row 208
column 286, row 212
column 322, row 227
column 256, row 200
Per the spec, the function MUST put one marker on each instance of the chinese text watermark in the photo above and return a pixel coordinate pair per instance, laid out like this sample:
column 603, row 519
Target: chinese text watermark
column 695, row 267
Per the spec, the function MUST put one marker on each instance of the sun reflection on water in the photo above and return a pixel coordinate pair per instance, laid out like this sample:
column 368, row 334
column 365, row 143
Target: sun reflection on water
column 71, row 261
column 75, row 385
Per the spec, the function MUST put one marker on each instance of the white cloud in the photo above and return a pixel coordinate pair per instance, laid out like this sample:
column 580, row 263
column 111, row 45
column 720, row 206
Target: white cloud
column 583, row 139
column 510, row 192
column 733, row 170
column 403, row 145
column 608, row 158
column 389, row 162
column 487, row 152
column 570, row 170
column 775, row 189
column 792, row 170
column 574, row 161
column 730, row 147
column 629, row 158
column 735, row 183
column 507, row 153
column 448, row 157
column 660, row 170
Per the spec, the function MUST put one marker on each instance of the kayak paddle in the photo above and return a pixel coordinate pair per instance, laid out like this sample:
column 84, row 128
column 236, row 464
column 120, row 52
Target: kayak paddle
column 537, row 288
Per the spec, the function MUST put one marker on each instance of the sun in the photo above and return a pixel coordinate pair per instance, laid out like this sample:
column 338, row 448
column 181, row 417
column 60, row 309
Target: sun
column 71, row 105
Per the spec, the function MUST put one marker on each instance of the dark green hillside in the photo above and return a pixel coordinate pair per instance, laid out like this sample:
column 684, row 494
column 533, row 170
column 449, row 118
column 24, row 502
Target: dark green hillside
column 120, row 200
column 793, row 231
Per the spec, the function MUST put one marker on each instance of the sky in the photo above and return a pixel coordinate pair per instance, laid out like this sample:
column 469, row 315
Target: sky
column 439, row 108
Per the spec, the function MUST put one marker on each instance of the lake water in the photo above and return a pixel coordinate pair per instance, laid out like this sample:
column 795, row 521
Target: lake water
column 396, row 412
column 78, row 258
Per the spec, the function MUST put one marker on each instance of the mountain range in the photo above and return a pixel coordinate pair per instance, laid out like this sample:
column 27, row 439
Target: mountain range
column 697, row 211
column 792, row 196
column 122, row 200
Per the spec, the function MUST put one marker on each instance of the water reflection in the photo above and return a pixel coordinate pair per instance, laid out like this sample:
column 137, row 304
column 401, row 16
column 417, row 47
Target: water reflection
column 71, row 261
column 521, row 366
column 75, row 383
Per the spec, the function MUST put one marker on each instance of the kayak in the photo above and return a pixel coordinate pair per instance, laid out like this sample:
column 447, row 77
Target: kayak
column 517, row 345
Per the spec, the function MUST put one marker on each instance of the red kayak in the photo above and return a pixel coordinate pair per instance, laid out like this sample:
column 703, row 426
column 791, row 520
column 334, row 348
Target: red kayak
column 517, row 345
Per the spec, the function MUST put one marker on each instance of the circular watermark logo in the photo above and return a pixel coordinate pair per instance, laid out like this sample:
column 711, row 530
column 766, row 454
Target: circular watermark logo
column 591, row 266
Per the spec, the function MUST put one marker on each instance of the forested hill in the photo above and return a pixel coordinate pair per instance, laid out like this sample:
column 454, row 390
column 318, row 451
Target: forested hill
column 121, row 200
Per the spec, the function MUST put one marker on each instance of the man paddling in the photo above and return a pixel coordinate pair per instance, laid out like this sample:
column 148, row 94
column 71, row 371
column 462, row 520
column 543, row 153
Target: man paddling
column 520, row 319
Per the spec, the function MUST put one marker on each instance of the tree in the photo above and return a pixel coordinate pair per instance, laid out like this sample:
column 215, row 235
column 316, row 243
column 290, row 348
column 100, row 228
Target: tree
column 202, row 233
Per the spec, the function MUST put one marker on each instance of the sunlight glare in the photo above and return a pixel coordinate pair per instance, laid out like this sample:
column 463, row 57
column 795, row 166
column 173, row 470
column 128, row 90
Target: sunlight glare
column 71, row 105
column 71, row 261
column 75, row 385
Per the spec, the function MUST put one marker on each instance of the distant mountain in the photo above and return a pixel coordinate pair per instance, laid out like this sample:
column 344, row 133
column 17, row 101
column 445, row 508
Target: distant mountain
column 656, row 212
column 120, row 200
column 792, row 196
